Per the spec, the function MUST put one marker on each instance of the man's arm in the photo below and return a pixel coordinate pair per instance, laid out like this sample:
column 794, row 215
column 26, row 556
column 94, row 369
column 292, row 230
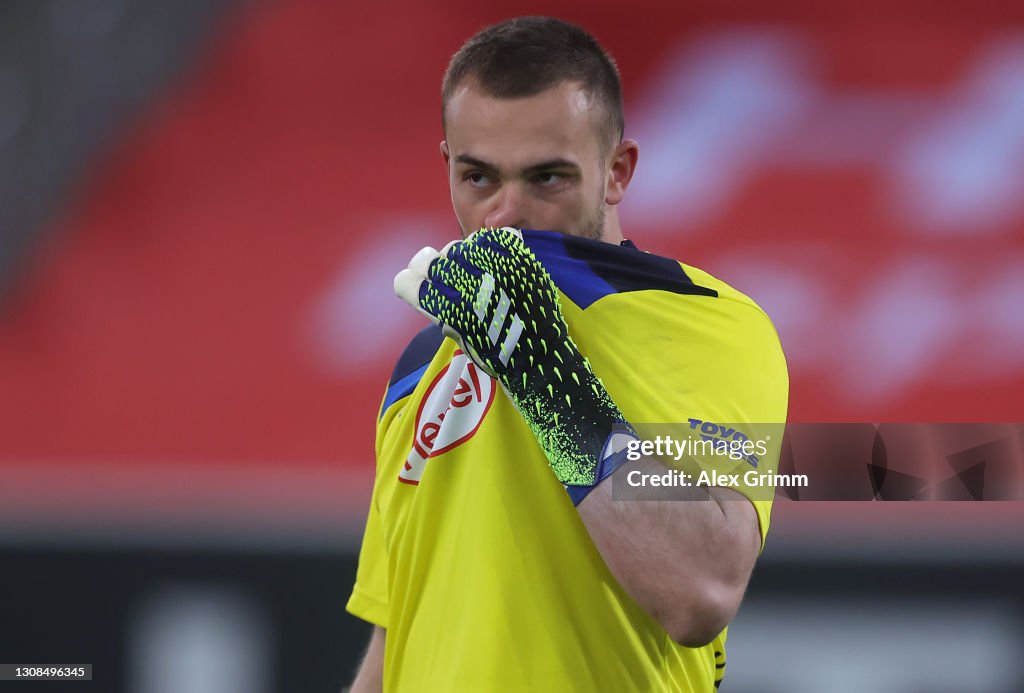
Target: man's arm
column 686, row 562
column 370, row 677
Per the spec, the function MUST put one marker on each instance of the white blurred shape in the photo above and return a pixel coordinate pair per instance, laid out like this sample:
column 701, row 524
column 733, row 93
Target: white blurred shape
column 850, row 129
column 714, row 110
column 898, row 328
column 995, row 333
column 882, row 646
column 909, row 321
column 963, row 173
column 200, row 640
column 357, row 319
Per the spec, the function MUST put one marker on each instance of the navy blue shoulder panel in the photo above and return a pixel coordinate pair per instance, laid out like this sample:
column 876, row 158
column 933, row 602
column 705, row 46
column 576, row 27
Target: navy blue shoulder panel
column 412, row 364
column 587, row 270
column 419, row 352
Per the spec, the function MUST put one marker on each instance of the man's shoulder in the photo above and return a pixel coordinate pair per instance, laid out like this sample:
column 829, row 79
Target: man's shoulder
column 417, row 353
column 586, row 270
column 411, row 366
column 731, row 297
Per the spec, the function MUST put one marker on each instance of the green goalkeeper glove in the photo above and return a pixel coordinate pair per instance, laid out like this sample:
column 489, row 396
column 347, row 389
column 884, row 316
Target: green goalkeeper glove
column 491, row 294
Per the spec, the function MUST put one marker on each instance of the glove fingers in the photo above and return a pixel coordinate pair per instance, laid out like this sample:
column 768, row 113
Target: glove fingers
column 407, row 282
column 504, row 234
column 444, row 304
column 505, row 241
column 452, row 310
column 449, row 245
column 454, row 271
column 422, row 259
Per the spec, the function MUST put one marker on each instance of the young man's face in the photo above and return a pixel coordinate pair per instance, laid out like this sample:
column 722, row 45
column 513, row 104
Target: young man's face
column 535, row 163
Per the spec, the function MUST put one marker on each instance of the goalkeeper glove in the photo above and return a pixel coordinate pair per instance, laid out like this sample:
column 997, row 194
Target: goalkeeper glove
column 491, row 294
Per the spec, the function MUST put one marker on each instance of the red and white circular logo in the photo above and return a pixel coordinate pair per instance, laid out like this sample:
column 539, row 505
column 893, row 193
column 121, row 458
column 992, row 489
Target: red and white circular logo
column 450, row 413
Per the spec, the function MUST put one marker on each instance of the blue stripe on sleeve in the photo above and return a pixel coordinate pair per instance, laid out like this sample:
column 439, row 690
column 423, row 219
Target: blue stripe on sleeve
column 402, row 388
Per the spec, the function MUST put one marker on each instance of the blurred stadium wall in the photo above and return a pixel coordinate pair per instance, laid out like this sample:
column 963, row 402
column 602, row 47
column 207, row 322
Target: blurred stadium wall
column 201, row 209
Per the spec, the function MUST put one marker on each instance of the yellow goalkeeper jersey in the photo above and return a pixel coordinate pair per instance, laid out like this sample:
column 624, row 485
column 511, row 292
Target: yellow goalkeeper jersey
column 474, row 558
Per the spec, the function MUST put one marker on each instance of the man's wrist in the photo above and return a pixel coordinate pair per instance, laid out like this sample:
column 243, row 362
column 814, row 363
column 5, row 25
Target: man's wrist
column 612, row 456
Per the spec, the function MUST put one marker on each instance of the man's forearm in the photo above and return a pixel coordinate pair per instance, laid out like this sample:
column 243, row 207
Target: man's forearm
column 370, row 677
column 685, row 561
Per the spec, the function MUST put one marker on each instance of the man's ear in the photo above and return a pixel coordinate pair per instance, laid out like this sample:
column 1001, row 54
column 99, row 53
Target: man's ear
column 623, row 165
column 444, row 152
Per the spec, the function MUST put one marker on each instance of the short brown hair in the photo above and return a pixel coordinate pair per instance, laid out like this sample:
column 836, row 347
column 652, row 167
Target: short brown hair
column 524, row 56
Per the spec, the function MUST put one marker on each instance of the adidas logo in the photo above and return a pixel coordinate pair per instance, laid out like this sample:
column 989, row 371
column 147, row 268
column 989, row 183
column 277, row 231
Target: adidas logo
column 501, row 314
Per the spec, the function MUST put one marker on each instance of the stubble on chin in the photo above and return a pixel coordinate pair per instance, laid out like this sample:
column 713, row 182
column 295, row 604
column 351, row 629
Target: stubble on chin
column 593, row 228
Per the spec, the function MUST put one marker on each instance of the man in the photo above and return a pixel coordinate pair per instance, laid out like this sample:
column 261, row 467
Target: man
column 495, row 556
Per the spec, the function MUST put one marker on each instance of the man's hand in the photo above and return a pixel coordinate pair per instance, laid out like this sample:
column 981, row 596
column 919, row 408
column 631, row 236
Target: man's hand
column 491, row 294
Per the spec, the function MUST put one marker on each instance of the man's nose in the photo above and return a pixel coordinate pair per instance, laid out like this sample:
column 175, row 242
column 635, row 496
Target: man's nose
column 508, row 210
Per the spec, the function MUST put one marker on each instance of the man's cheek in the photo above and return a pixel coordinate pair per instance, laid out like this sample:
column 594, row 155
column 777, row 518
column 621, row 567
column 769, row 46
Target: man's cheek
column 464, row 213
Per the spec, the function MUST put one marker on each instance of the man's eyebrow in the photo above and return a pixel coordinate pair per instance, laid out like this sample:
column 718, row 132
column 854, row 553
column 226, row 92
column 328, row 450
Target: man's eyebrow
column 473, row 161
column 550, row 164
column 529, row 170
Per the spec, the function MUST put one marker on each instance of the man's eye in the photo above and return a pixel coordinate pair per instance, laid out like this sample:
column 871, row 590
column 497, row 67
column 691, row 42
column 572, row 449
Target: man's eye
column 548, row 178
column 476, row 178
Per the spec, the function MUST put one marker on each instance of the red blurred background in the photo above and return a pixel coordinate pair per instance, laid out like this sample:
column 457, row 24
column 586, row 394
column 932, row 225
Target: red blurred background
column 202, row 329
column 218, row 292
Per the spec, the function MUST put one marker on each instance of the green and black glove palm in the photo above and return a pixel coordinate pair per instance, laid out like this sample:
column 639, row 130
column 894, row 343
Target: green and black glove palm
column 491, row 294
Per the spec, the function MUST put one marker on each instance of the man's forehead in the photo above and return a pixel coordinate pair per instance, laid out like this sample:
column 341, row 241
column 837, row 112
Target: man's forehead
column 570, row 94
column 558, row 122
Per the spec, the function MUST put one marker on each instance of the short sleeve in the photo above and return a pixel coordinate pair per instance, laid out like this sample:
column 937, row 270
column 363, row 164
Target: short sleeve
column 759, row 382
column 737, row 421
column 369, row 599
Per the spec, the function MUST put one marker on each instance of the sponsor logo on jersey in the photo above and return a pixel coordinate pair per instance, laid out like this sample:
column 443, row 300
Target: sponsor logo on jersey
column 450, row 413
column 709, row 430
